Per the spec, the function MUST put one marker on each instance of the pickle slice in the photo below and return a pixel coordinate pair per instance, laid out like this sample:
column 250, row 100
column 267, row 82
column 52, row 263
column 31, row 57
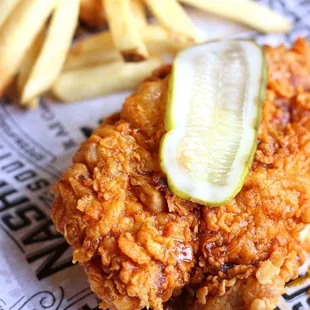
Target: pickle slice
column 212, row 117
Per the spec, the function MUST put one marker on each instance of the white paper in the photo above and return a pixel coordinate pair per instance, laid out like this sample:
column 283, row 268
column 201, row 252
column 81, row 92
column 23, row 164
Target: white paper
column 36, row 146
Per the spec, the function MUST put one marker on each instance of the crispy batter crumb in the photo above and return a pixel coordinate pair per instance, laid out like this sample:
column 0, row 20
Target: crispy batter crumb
column 139, row 244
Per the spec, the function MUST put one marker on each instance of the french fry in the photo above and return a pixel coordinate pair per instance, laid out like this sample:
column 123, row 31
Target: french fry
column 29, row 60
column 159, row 41
column 18, row 33
column 102, row 80
column 174, row 18
column 92, row 50
column 32, row 103
column 138, row 11
column 6, row 7
column 92, row 13
column 124, row 29
column 53, row 54
column 246, row 12
column 99, row 49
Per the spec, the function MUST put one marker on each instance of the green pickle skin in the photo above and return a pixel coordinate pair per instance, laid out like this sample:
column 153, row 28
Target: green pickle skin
column 170, row 125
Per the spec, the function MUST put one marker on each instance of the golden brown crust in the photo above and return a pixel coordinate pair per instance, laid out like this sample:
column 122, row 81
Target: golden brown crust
column 112, row 206
column 256, row 236
column 139, row 244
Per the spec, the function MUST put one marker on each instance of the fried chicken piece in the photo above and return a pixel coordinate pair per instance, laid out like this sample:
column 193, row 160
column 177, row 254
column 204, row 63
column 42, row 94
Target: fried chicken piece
column 253, row 243
column 135, row 240
column 140, row 244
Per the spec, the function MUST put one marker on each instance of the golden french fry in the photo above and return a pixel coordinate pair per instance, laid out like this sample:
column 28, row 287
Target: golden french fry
column 98, row 41
column 29, row 60
column 138, row 10
column 32, row 103
column 247, row 12
column 124, row 29
column 17, row 35
column 54, row 51
column 6, row 7
column 92, row 50
column 102, row 80
column 158, row 41
column 99, row 49
column 173, row 17
column 92, row 13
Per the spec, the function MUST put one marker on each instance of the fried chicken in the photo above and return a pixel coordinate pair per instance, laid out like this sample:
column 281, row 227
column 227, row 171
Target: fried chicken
column 140, row 244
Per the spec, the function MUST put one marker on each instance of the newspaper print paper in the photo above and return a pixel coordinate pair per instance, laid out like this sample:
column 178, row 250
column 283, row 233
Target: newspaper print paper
column 36, row 146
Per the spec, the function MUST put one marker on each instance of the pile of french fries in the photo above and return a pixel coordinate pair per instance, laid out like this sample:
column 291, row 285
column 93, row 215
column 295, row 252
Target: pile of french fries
column 38, row 55
column 35, row 38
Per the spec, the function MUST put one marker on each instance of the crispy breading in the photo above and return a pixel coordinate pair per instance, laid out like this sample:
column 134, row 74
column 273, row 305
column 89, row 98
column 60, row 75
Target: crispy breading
column 255, row 238
column 140, row 244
